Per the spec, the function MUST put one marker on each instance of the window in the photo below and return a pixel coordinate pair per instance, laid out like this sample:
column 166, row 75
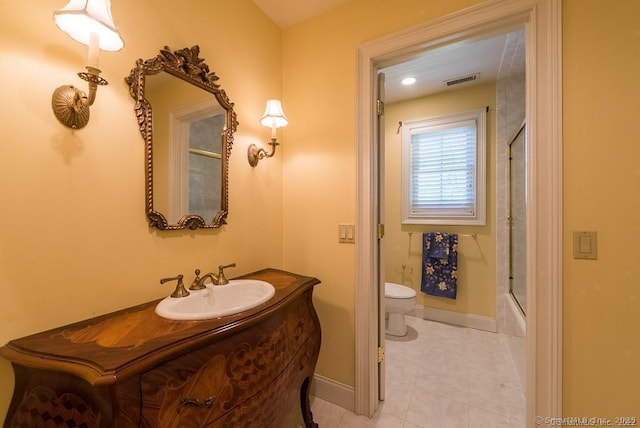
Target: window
column 195, row 167
column 443, row 170
column 205, row 165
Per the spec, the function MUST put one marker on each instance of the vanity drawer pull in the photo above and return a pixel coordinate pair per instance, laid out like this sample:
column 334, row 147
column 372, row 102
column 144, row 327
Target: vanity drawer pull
column 298, row 331
column 304, row 360
column 186, row 401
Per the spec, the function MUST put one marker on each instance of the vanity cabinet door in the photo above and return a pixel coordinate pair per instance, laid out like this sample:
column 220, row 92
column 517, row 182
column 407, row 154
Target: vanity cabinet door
column 54, row 399
column 44, row 398
column 300, row 321
column 202, row 386
column 285, row 397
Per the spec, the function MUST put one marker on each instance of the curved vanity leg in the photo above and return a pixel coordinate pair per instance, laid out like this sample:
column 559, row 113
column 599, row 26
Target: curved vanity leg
column 305, row 404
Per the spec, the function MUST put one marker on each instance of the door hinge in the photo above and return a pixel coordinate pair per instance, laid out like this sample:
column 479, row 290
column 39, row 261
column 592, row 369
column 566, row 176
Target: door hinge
column 380, row 354
column 380, row 107
column 380, row 231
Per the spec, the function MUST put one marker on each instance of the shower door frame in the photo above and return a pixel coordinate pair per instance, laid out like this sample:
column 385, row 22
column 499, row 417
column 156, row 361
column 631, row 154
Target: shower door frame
column 513, row 219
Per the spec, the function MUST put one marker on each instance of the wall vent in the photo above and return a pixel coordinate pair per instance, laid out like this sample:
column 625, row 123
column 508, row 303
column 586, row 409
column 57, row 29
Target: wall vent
column 463, row 79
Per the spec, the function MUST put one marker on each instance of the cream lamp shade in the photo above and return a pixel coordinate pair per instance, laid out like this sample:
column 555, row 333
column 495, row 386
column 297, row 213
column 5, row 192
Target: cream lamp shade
column 80, row 18
column 273, row 115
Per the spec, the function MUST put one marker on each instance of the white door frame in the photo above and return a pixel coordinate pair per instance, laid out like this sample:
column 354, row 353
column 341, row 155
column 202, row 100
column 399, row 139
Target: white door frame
column 543, row 26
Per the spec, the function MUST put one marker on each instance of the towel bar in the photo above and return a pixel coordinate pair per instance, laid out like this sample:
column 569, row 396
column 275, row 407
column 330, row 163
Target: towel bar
column 466, row 235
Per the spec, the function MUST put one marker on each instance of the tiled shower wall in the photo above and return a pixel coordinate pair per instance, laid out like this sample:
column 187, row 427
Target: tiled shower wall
column 511, row 110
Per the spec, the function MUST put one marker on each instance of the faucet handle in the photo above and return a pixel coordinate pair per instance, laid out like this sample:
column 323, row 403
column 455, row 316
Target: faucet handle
column 222, row 280
column 196, row 285
column 180, row 291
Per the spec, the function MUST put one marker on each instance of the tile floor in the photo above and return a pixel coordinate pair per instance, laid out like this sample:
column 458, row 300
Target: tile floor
column 441, row 376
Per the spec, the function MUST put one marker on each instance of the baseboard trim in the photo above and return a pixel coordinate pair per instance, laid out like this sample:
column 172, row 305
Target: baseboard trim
column 334, row 392
column 457, row 318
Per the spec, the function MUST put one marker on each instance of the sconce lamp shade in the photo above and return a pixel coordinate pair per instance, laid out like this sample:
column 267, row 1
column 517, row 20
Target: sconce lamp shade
column 80, row 18
column 273, row 115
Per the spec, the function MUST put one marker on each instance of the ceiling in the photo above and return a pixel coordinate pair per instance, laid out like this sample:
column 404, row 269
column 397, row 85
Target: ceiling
column 431, row 68
column 286, row 13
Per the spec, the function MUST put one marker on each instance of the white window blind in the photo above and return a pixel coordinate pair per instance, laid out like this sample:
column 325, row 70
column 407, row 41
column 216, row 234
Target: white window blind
column 443, row 170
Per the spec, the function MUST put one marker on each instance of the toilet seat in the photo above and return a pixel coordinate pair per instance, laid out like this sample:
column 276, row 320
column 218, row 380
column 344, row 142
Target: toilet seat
column 397, row 291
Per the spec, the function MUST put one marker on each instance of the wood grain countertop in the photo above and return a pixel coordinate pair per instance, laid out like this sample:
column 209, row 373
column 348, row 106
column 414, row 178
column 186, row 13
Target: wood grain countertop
column 109, row 348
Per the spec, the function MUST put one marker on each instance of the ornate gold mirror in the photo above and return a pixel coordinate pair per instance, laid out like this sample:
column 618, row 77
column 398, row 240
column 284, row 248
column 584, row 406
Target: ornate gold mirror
column 187, row 122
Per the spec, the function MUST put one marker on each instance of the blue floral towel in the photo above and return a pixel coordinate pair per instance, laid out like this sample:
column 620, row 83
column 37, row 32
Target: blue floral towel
column 440, row 264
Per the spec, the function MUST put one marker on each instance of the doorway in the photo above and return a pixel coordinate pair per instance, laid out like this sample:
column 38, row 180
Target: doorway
column 544, row 247
column 496, row 64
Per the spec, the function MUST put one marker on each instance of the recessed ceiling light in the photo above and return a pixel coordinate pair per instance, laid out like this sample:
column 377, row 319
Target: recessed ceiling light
column 408, row 81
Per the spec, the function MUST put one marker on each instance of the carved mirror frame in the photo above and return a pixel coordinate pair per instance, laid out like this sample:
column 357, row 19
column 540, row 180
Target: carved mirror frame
column 187, row 65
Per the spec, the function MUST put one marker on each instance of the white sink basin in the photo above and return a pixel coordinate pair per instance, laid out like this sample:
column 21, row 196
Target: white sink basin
column 216, row 301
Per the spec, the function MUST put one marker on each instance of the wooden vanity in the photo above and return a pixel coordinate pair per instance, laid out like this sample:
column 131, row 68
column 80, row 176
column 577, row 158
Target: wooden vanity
column 132, row 368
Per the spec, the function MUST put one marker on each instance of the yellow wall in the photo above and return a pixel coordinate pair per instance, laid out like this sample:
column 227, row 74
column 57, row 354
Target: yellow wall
column 601, row 177
column 476, row 258
column 74, row 240
column 319, row 155
column 601, row 56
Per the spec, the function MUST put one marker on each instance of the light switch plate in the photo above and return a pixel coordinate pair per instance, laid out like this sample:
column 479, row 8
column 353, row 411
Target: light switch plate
column 585, row 245
column 346, row 233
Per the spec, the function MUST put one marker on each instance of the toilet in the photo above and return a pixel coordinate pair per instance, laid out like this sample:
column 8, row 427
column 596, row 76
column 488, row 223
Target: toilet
column 399, row 300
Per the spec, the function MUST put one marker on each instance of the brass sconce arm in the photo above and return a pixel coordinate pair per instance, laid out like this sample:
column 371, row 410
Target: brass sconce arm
column 71, row 105
column 256, row 154
column 92, row 76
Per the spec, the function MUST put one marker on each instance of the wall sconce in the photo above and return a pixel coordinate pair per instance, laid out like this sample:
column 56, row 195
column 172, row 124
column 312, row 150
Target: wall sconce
column 273, row 118
column 89, row 22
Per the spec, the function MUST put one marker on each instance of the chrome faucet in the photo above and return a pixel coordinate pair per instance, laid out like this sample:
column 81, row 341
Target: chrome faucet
column 219, row 279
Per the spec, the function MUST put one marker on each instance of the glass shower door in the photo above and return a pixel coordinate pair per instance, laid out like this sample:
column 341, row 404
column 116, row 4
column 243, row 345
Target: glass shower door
column 517, row 219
